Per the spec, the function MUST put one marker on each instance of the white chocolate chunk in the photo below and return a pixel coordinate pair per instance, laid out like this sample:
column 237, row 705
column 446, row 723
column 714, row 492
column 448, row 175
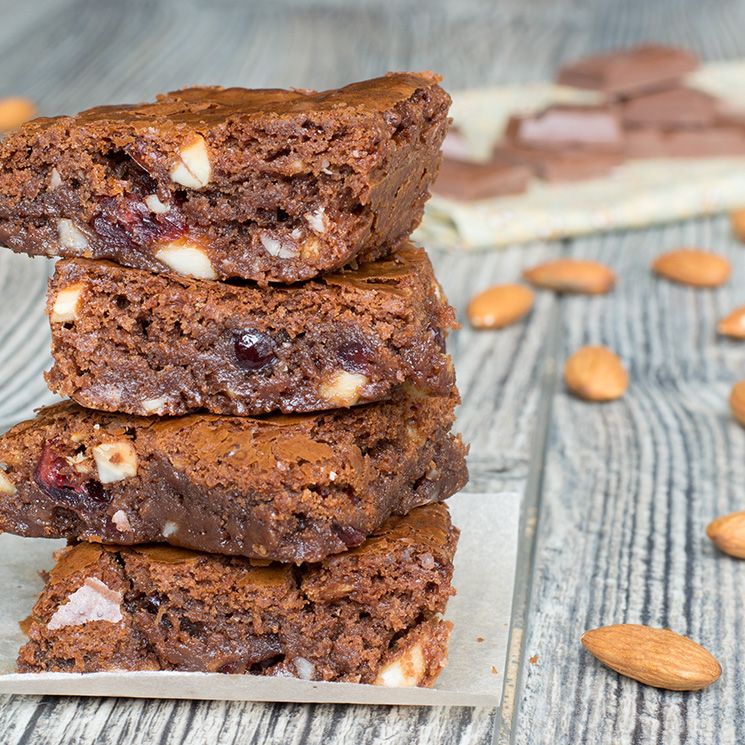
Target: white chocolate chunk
column 186, row 258
column 55, row 180
column 277, row 248
column 121, row 521
column 155, row 205
column 66, row 303
column 169, row 529
column 93, row 601
column 70, row 236
column 193, row 168
column 153, row 405
column 6, row 485
column 343, row 388
column 305, row 668
column 405, row 671
column 115, row 461
column 317, row 220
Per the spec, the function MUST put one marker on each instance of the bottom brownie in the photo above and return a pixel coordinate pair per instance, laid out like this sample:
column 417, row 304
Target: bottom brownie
column 370, row 615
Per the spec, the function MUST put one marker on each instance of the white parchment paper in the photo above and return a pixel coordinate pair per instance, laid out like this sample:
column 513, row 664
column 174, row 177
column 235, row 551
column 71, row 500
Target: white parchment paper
column 484, row 578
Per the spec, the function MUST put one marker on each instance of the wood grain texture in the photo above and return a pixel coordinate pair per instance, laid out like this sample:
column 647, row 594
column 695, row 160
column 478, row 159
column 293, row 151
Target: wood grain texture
column 625, row 488
column 631, row 486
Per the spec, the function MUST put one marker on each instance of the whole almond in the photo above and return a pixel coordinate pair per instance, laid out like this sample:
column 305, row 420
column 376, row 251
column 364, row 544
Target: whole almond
column 596, row 374
column 737, row 220
column 692, row 266
column 14, row 112
column 737, row 401
column 572, row 275
column 733, row 325
column 499, row 306
column 655, row 657
column 728, row 534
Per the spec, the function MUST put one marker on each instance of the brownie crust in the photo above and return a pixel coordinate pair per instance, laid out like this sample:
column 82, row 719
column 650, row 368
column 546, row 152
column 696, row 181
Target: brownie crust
column 288, row 489
column 131, row 341
column 267, row 185
column 370, row 615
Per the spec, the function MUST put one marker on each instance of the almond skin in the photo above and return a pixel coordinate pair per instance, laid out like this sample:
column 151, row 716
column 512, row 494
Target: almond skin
column 737, row 402
column 14, row 112
column 727, row 533
column 572, row 275
column 694, row 267
column 733, row 325
column 737, row 220
column 595, row 374
column 500, row 306
column 655, row 657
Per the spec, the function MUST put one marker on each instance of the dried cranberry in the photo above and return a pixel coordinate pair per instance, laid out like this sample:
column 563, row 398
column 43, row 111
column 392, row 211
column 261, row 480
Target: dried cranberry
column 57, row 478
column 126, row 221
column 254, row 349
column 355, row 355
column 350, row 536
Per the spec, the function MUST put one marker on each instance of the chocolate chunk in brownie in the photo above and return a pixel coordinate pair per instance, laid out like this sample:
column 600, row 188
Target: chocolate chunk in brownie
column 132, row 341
column 268, row 185
column 287, row 488
column 370, row 615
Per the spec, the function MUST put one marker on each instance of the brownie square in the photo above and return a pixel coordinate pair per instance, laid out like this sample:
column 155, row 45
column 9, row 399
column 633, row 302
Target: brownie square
column 371, row 615
column 132, row 341
column 283, row 488
column 267, row 185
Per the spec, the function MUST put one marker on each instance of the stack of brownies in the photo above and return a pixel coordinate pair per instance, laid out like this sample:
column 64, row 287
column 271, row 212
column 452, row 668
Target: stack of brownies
column 251, row 469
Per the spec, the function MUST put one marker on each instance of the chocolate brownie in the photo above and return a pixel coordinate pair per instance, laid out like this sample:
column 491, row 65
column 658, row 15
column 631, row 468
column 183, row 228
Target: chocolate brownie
column 132, row 341
column 370, row 615
column 287, row 488
column 268, row 185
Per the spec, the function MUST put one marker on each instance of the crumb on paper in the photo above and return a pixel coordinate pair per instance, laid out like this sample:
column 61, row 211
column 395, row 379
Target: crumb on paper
column 533, row 660
column 479, row 639
column 494, row 670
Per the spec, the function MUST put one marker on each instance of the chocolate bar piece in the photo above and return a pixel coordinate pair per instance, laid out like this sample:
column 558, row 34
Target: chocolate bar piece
column 705, row 142
column 472, row 181
column 678, row 107
column 368, row 616
column 562, row 165
column 562, row 126
column 627, row 72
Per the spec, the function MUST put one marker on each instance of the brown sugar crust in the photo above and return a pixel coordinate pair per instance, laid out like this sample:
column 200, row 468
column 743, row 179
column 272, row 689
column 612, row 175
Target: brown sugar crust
column 279, row 184
column 348, row 618
column 144, row 343
column 287, row 488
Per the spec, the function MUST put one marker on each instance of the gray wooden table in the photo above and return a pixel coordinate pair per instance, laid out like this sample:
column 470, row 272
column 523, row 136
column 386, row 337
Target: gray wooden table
column 620, row 493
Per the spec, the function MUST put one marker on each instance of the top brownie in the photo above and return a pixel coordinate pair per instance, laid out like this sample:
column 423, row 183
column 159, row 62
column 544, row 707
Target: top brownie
column 267, row 185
